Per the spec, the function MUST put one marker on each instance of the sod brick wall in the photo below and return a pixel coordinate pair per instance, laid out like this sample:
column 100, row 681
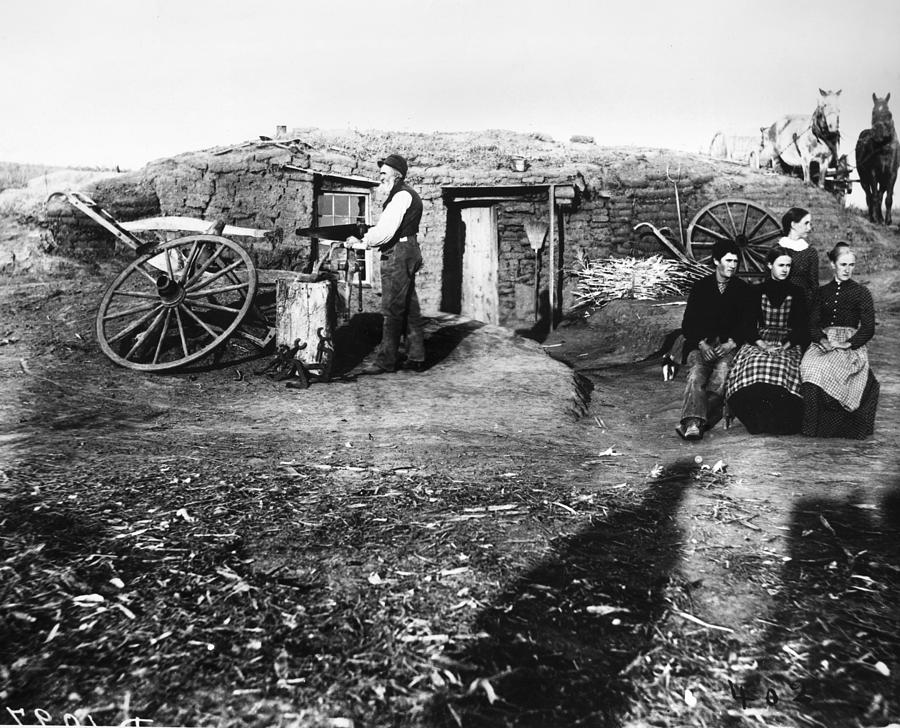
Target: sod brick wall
column 268, row 187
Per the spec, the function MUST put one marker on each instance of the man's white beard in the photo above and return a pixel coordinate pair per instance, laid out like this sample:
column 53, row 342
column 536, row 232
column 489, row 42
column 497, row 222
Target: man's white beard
column 383, row 190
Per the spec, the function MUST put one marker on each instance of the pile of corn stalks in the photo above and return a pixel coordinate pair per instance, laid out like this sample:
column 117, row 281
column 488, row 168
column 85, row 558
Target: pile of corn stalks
column 601, row 281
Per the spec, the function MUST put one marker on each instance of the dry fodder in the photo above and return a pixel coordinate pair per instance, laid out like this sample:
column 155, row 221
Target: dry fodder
column 601, row 281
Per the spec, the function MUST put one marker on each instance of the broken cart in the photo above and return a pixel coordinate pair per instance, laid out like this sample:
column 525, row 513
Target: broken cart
column 179, row 300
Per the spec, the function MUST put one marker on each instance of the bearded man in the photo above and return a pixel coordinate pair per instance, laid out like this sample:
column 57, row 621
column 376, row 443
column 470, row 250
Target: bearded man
column 396, row 237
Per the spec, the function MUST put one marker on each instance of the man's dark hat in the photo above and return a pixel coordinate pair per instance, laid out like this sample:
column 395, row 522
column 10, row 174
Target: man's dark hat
column 395, row 161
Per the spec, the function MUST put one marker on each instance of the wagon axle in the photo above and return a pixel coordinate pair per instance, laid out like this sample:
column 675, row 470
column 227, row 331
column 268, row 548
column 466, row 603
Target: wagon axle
column 171, row 292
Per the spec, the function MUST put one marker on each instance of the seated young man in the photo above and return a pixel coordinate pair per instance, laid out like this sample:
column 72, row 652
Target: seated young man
column 713, row 327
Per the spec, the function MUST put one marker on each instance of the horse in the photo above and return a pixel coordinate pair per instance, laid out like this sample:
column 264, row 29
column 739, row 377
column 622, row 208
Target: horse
column 877, row 160
column 806, row 140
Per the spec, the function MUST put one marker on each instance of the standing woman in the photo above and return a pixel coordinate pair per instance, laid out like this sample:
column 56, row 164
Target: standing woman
column 840, row 392
column 795, row 225
column 763, row 389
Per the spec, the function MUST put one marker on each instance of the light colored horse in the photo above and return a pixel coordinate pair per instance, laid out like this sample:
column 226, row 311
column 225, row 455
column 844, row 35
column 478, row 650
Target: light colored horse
column 804, row 140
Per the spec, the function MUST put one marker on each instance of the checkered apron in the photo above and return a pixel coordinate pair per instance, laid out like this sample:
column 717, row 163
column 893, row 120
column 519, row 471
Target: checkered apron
column 752, row 365
column 840, row 373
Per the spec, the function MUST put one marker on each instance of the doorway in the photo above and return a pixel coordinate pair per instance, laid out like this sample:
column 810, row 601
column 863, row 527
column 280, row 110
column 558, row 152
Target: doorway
column 480, row 249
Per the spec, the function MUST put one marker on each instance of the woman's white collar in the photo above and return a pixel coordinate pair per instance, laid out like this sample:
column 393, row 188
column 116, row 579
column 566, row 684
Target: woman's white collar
column 795, row 245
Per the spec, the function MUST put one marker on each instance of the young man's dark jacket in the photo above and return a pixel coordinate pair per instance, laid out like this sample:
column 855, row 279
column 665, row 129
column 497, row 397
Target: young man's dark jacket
column 710, row 315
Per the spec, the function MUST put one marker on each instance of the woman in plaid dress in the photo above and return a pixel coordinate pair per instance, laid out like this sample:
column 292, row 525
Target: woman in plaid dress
column 840, row 392
column 763, row 388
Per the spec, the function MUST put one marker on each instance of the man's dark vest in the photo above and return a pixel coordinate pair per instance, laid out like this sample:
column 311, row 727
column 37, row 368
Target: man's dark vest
column 409, row 225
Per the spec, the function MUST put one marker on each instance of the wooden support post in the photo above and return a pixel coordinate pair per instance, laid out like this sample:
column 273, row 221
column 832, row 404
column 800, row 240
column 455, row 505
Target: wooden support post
column 552, row 277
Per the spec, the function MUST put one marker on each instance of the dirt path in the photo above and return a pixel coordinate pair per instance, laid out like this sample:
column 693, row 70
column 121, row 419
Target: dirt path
column 717, row 555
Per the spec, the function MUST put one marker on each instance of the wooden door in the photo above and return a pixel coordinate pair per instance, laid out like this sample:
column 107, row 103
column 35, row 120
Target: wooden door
column 480, row 264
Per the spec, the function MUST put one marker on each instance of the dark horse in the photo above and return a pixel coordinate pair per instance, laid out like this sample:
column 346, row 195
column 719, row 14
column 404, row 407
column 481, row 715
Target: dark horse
column 877, row 159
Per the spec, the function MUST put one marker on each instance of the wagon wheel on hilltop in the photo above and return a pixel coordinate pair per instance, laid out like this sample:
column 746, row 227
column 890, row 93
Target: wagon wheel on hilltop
column 753, row 228
column 177, row 303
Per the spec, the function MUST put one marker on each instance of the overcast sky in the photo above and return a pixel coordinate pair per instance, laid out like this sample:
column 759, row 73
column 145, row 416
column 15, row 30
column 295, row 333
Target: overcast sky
column 113, row 82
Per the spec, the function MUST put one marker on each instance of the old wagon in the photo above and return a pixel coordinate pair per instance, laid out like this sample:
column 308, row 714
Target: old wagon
column 180, row 300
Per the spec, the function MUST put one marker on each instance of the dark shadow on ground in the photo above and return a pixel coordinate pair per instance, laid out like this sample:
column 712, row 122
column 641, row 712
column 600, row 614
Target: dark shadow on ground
column 541, row 328
column 440, row 341
column 354, row 340
column 357, row 339
column 841, row 591
column 558, row 643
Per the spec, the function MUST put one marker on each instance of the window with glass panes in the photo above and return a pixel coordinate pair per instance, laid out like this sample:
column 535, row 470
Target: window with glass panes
column 343, row 208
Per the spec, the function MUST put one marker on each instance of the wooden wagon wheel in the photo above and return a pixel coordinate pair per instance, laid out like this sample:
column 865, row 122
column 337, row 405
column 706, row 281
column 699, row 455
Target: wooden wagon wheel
column 177, row 303
column 753, row 228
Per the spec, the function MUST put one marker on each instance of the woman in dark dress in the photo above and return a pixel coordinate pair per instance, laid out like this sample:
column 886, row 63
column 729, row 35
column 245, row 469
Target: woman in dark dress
column 840, row 392
column 763, row 388
column 796, row 224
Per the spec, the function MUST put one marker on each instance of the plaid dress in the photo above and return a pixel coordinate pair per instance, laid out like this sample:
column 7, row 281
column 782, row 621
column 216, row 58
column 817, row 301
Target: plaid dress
column 779, row 368
column 763, row 388
column 840, row 373
column 840, row 391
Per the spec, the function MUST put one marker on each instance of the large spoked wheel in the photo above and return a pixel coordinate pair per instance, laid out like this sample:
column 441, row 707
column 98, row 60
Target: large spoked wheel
column 176, row 304
column 753, row 228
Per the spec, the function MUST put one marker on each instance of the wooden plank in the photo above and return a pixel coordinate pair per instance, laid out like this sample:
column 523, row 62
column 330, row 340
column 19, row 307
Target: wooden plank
column 551, row 284
column 188, row 225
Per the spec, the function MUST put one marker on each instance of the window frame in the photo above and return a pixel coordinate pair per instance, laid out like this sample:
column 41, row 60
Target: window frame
column 335, row 186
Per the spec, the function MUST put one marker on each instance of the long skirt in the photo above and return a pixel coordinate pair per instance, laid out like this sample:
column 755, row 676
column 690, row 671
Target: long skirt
column 824, row 416
column 768, row 408
column 840, row 392
column 763, row 390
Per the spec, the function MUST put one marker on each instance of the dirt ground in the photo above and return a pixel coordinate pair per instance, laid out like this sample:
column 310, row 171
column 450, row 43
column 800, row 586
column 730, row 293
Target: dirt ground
column 508, row 538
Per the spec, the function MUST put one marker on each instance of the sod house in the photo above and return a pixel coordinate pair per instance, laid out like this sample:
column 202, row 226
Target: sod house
column 506, row 215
